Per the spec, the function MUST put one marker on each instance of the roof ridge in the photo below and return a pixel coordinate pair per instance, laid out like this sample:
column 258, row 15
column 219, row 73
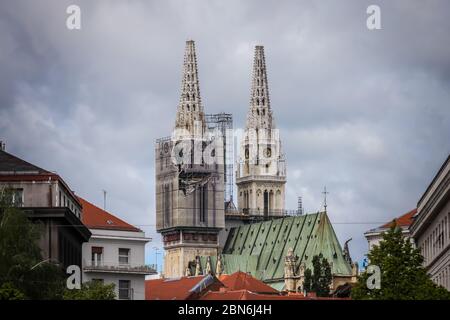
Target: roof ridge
column 25, row 162
column 128, row 225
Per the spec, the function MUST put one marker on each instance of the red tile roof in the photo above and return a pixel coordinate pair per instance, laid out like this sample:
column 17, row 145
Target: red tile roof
column 403, row 221
column 95, row 218
column 247, row 295
column 241, row 280
column 177, row 289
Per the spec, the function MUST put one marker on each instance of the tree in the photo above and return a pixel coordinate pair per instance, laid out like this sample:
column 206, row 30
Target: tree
column 307, row 283
column 318, row 280
column 22, row 269
column 92, row 290
column 402, row 274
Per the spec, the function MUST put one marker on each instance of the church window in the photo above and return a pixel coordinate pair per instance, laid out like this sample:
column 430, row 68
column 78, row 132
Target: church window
column 257, row 103
column 193, row 96
column 262, row 102
column 257, row 111
column 188, row 108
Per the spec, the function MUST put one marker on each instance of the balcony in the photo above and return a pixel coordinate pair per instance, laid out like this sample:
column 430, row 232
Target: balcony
column 115, row 267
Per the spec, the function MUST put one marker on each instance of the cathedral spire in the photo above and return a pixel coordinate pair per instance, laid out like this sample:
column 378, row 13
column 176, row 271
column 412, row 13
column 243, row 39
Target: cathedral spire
column 190, row 110
column 260, row 114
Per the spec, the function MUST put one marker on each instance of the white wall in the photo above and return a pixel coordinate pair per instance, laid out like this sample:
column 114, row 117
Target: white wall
column 111, row 241
column 137, row 282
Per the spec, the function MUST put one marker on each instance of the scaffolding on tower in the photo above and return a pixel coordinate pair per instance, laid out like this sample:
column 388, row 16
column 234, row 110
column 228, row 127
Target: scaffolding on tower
column 224, row 123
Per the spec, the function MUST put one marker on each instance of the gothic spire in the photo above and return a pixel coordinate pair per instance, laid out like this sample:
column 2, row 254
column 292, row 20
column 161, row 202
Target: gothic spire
column 190, row 109
column 260, row 114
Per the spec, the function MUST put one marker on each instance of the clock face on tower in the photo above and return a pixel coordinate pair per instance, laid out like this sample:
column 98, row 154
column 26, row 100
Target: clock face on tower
column 267, row 152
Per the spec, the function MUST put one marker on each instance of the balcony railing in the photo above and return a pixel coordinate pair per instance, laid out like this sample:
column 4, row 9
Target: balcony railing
column 262, row 212
column 116, row 267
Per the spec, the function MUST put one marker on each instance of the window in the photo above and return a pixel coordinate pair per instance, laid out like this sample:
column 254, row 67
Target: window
column 125, row 290
column 17, row 197
column 124, row 256
column 97, row 256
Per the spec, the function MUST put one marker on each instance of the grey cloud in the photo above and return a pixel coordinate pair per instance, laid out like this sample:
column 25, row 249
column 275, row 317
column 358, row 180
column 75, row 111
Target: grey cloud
column 363, row 112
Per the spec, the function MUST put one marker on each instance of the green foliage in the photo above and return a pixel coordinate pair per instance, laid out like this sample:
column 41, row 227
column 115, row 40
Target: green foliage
column 92, row 290
column 318, row 280
column 402, row 274
column 22, row 266
column 9, row 292
column 307, row 283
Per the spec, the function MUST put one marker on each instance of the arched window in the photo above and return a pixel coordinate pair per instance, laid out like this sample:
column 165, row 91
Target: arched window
column 262, row 101
column 257, row 102
column 193, row 96
column 257, row 92
column 188, row 108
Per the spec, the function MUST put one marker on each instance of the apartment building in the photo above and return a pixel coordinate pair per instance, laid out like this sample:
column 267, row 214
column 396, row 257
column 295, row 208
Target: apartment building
column 115, row 253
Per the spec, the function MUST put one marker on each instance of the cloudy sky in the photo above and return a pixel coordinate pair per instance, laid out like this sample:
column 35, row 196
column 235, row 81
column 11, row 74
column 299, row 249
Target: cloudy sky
column 364, row 112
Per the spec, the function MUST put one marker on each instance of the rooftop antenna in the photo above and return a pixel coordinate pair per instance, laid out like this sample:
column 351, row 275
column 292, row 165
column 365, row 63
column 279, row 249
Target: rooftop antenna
column 325, row 192
column 104, row 200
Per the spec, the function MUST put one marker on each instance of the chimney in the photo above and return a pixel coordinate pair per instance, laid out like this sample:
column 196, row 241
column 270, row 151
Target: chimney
column 2, row 145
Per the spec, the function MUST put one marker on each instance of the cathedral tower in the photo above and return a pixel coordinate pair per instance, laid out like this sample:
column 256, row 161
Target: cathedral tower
column 189, row 180
column 261, row 171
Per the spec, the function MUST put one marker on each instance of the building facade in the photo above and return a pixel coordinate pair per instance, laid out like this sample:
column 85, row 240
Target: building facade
column 374, row 236
column 46, row 198
column 115, row 253
column 203, row 231
column 189, row 179
column 431, row 227
column 261, row 170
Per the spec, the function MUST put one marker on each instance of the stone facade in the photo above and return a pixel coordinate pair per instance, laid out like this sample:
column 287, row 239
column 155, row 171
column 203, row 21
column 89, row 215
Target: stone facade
column 189, row 179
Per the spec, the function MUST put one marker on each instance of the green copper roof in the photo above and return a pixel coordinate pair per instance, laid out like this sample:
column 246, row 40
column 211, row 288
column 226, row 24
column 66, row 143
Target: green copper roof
column 260, row 248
